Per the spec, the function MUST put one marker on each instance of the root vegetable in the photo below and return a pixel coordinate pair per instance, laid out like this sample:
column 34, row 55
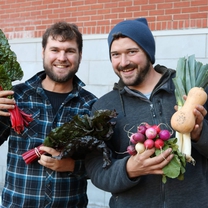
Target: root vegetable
column 183, row 120
column 149, row 143
column 151, row 133
column 131, row 150
column 159, row 143
column 141, row 129
column 138, row 137
column 164, row 135
column 157, row 128
column 140, row 147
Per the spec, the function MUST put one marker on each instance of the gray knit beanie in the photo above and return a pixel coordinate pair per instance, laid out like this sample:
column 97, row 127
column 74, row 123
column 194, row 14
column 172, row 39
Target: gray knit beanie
column 139, row 32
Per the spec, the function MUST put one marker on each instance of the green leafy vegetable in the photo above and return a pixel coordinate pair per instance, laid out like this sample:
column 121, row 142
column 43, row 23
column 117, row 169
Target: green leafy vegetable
column 176, row 167
column 189, row 73
column 80, row 135
column 10, row 69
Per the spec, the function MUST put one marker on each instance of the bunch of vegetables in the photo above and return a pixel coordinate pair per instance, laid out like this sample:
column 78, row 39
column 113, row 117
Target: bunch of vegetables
column 10, row 71
column 80, row 135
column 191, row 79
column 147, row 137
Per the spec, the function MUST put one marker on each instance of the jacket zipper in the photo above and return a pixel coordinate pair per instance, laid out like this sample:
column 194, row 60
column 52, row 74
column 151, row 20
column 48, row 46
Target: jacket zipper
column 154, row 118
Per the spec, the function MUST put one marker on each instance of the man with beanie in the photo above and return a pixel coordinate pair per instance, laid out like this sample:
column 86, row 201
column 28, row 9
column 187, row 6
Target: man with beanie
column 145, row 93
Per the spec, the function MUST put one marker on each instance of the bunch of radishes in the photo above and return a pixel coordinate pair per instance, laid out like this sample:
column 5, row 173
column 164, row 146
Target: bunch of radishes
column 147, row 137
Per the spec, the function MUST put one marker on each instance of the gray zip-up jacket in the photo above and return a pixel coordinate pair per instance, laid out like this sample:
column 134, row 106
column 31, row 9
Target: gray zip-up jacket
column 133, row 108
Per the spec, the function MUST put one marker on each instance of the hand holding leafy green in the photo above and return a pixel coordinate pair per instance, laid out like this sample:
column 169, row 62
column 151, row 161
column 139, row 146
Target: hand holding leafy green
column 80, row 135
column 10, row 71
column 176, row 167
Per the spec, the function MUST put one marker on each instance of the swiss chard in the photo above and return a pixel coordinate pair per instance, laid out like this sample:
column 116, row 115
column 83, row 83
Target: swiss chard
column 80, row 135
column 10, row 71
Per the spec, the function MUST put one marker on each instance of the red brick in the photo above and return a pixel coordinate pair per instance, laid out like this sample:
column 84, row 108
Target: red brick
column 199, row 2
column 165, row 6
column 182, row 4
column 181, row 16
column 165, row 18
column 203, row 8
column 84, row 8
column 198, row 15
column 148, row 7
column 157, row 12
column 111, row 5
column 77, row 3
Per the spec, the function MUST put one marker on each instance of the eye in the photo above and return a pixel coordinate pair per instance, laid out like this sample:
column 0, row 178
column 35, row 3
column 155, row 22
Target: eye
column 132, row 52
column 114, row 55
column 70, row 51
column 54, row 50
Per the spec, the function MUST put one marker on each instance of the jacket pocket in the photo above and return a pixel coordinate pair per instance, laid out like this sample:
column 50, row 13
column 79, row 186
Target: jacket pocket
column 32, row 130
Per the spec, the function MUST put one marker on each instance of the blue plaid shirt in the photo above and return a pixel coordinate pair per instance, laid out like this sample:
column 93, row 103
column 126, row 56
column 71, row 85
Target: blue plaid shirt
column 33, row 185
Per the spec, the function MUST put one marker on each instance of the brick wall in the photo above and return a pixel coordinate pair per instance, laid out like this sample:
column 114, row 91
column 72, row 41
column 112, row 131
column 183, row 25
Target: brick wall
column 29, row 18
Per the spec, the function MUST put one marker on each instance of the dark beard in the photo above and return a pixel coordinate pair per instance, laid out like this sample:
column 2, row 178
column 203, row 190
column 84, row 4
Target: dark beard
column 140, row 76
column 57, row 79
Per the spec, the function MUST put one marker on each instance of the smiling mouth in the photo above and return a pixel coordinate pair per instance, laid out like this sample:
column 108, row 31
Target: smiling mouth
column 127, row 70
column 61, row 66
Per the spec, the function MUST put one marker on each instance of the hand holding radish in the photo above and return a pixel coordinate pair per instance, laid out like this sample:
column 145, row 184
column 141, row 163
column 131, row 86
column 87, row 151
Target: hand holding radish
column 147, row 137
column 144, row 164
column 153, row 151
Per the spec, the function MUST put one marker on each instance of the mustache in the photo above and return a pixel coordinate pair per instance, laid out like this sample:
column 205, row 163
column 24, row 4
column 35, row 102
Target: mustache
column 129, row 66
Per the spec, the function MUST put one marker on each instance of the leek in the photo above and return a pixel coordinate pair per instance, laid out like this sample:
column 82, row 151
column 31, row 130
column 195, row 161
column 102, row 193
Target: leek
column 189, row 73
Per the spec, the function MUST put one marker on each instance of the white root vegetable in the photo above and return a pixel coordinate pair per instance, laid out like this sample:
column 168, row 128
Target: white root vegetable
column 140, row 147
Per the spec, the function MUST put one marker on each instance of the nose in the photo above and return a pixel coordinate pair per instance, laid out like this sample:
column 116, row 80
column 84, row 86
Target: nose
column 62, row 56
column 124, row 60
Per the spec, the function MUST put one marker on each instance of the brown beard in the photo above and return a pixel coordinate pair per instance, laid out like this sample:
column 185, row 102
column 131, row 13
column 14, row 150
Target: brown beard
column 140, row 76
column 52, row 76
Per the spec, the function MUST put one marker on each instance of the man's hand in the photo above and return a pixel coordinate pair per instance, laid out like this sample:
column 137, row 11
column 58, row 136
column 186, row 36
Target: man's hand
column 143, row 164
column 63, row 165
column 6, row 103
column 199, row 112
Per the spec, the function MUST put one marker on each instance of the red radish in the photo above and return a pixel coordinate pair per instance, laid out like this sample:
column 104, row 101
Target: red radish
column 132, row 139
column 159, row 143
column 147, row 125
column 164, row 135
column 138, row 137
column 131, row 150
column 151, row 133
column 157, row 128
column 141, row 129
column 149, row 143
column 140, row 147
